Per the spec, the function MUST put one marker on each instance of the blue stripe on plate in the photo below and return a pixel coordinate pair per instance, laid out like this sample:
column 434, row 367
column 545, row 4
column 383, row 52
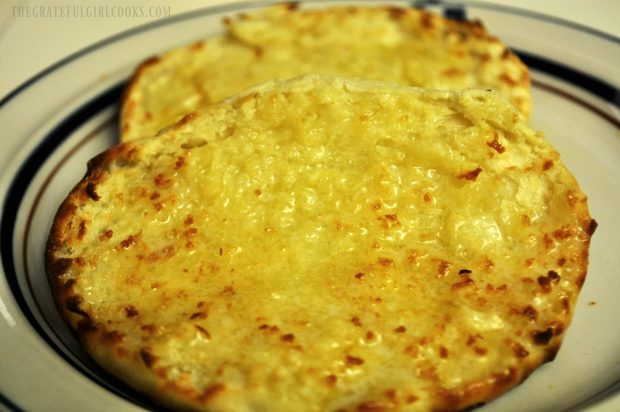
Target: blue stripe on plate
column 595, row 86
column 30, row 167
column 12, row 203
column 583, row 80
column 513, row 10
column 10, row 405
column 63, row 130
column 452, row 6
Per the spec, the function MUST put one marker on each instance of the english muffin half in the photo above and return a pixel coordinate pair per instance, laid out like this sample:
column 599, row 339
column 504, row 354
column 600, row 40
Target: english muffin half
column 400, row 45
column 324, row 244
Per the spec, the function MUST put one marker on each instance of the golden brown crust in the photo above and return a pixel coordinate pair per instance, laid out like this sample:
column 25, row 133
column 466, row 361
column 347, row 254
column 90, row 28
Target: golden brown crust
column 187, row 308
column 128, row 101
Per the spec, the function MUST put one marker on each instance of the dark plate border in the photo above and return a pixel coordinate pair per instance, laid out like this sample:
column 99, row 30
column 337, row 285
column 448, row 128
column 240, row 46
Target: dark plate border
column 9, row 404
column 51, row 141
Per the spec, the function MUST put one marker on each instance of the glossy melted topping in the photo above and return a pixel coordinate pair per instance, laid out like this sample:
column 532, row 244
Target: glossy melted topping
column 325, row 244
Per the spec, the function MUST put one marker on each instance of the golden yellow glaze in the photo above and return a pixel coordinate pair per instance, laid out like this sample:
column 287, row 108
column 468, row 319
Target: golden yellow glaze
column 326, row 244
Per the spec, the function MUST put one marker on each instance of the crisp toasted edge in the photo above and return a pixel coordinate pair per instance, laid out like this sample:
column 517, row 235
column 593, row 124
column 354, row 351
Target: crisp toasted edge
column 101, row 344
column 128, row 102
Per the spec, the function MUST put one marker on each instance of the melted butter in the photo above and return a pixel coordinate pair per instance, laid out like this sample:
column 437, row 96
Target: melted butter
column 302, row 249
column 483, row 321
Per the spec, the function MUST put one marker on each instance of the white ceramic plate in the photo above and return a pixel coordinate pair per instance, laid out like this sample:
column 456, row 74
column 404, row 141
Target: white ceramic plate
column 65, row 115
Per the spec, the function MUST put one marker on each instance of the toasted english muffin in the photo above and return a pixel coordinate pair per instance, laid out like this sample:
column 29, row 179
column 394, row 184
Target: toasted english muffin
column 324, row 244
column 400, row 45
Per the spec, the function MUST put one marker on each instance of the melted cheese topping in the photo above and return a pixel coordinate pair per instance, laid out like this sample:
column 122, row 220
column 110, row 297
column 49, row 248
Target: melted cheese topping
column 405, row 46
column 324, row 244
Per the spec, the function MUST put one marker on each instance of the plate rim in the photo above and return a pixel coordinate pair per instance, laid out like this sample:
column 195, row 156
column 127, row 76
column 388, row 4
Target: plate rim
column 229, row 8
